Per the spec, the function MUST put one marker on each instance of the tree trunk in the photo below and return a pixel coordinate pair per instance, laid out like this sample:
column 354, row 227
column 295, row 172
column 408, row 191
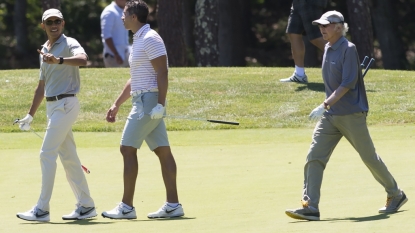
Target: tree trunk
column 360, row 27
column 393, row 53
column 20, row 29
column 169, row 20
column 233, row 29
column 206, row 33
column 188, row 26
column 47, row 4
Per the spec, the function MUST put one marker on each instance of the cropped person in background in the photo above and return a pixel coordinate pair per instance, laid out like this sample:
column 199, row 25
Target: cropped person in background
column 59, row 81
column 114, row 35
column 342, row 114
column 148, row 87
column 303, row 12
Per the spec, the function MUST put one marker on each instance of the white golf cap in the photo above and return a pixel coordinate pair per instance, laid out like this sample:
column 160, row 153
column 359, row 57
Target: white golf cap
column 329, row 17
column 50, row 13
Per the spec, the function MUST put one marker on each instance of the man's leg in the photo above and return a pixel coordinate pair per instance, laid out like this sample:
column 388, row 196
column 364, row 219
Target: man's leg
column 319, row 43
column 172, row 207
column 355, row 130
column 297, row 49
column 325, row 138
column 130, row 173
column 169, row 172
column 125, row 209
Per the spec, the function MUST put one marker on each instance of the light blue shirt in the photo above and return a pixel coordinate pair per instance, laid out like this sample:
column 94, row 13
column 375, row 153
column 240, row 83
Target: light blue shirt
column 112, row 26
column 61, row 78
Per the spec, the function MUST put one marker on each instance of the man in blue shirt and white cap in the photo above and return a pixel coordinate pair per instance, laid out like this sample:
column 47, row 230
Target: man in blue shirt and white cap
column 342, row 114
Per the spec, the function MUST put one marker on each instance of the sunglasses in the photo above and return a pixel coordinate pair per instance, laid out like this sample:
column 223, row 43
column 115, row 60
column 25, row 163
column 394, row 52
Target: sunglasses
column 324, row 26
column 56, row 21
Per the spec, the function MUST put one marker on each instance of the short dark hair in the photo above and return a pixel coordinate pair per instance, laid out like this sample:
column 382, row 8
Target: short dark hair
column 138, row 8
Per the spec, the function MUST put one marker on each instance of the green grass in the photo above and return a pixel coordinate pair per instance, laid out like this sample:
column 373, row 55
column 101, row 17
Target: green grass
column 229, row 181
column 252, row 96
column 237, row 180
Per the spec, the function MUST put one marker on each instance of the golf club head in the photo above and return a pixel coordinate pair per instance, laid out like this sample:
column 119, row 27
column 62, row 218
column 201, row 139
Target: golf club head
column 368, row 66
column 364, row 61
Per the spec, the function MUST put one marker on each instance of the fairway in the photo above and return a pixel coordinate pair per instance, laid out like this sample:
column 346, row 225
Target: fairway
column 228, row 180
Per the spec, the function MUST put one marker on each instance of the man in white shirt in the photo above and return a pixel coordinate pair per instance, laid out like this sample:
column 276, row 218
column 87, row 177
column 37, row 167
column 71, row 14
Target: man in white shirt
column 114, row 36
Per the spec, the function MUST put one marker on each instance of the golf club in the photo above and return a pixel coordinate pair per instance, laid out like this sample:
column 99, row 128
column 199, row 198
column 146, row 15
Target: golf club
column 196, row 119
column 201, row 119
column 86, row 170
column 364, row 61
column 368, row 66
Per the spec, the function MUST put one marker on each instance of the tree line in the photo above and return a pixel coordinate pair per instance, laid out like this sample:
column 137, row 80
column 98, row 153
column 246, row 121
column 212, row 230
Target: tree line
column 215, row 32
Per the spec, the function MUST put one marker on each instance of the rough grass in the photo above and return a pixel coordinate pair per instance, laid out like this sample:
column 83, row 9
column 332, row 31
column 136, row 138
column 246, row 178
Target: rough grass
column 252, row 96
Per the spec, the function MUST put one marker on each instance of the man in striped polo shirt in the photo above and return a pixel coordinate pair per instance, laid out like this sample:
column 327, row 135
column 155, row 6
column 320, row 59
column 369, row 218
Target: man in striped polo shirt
column 148, row 87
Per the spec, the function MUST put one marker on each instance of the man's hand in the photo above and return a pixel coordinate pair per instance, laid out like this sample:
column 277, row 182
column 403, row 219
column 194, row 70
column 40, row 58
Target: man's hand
column 317, row 113
column 157, row 112
column 112, row 112
column 49, row 58
column 25, row 122
column 118, row 59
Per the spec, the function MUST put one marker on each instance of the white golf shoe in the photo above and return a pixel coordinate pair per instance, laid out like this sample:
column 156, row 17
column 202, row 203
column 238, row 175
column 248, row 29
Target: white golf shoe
column 295, row 79
column 35, row 214
column 120, row 212
column 81, row 213
column 167, row 211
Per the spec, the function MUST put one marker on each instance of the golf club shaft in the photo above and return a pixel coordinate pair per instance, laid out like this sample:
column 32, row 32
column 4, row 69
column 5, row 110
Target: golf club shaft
column 201, row 119
column 86, row 170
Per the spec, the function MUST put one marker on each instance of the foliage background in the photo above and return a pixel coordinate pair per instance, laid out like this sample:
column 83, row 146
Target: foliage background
column 267, row 42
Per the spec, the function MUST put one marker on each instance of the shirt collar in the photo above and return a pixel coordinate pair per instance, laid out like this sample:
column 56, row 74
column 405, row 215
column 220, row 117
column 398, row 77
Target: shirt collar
column 336, row 45
column 63, row 37
column 142, row 29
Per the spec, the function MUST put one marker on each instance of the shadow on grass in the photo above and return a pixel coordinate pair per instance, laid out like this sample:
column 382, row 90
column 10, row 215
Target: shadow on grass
column 357, row 219
column 317, row 87
column 311, row 86
column 75, row 222
column 110, row 221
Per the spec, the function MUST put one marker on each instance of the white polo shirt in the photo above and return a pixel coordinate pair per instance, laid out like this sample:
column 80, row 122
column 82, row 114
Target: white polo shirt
column 147, row 45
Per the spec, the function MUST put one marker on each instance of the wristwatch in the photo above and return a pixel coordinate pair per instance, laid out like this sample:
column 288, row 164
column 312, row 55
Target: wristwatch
column 326, row 105
column 60, row 60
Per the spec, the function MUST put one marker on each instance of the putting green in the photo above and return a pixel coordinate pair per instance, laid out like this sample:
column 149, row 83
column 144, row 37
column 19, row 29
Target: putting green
column 229, row 181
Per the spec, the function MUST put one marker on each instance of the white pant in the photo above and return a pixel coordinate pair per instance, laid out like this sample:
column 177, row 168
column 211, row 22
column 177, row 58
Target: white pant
column 59, row 140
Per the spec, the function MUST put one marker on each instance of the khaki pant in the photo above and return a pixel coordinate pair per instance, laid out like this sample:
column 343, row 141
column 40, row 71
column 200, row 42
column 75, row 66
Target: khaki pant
column 59, row 140
column 110, row 61
column 327, row 133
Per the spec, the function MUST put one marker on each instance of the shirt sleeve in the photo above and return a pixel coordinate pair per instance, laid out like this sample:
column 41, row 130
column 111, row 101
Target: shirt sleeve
column 75, row 48
column 107, row 23
column 154, row 47
column 41, row 75
column 350, row 72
